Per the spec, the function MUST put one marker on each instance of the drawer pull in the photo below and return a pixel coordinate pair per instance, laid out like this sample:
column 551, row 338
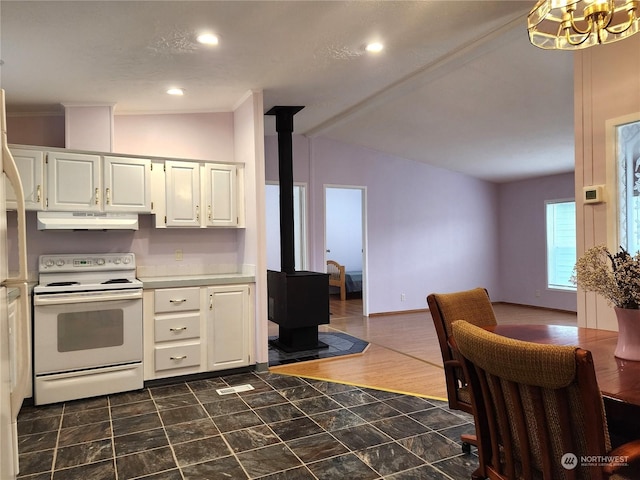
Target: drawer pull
column 177, row 329
column 179, row 357
column 177, row 300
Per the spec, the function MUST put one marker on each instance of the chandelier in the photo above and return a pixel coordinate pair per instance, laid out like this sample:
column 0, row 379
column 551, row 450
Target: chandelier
column 575, row 24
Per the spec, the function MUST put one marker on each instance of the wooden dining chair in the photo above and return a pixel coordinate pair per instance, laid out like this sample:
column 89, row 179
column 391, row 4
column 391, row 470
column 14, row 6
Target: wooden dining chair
column 538, row 411
column 473, row 306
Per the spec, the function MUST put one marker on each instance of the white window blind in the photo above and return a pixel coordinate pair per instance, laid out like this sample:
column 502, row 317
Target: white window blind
column 561, row 243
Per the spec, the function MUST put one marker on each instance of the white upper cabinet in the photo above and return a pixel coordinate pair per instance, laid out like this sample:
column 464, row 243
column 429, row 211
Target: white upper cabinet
column 200, row 195
column 86, row 182
column 182, row 193
column 219, row 186
column 73, row 182
column 30, row 165
column 127, row 184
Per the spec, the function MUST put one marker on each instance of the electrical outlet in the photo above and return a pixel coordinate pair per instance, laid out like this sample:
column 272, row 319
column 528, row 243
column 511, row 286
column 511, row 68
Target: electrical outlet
column 179, row 255
column 537, row 293
column 402, row 298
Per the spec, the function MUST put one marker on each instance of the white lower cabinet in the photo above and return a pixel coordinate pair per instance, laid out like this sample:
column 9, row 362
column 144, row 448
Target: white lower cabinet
column 172, row 332
column 196, row 329
column 228, row 335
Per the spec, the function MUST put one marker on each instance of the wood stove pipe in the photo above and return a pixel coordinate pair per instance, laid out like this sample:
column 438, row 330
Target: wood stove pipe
column 284, row 127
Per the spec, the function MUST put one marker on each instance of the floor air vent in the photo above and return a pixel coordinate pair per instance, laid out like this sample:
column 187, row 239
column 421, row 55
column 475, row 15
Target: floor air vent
column 240, row 388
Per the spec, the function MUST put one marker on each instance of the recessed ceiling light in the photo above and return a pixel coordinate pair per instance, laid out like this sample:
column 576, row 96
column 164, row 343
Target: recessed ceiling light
column 374, row 47
column 176, row 91
column 208, row 39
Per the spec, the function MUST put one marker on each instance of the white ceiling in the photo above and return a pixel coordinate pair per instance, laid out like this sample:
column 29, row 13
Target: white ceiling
column 457, row 84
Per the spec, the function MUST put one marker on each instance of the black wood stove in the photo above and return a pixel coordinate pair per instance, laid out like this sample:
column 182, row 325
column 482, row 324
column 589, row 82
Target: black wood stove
column 298, row 300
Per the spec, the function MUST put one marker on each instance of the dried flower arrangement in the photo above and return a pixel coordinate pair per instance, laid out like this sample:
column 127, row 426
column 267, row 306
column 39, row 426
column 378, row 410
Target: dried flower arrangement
column 614, row 276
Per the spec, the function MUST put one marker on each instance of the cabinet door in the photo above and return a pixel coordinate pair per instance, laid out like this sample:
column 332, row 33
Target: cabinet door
column 8, row 442
column 127, row 184
column 220, row 195
column 73, row 182
column 183, row 194
column 20, row 353
column 228, row 327
column 30, row 165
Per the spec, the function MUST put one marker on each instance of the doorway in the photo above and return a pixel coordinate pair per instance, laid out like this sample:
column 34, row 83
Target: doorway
column 345, row 236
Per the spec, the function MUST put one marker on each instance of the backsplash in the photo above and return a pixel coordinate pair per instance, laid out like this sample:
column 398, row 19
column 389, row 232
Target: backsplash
column 170, row 270
column 203, row 251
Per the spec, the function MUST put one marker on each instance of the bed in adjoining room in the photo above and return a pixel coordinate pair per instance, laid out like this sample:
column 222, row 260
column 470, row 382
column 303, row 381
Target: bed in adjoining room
column 346, row 282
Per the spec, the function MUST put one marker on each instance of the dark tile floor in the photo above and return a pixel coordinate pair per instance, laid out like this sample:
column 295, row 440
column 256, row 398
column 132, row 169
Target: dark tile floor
column 286, row 428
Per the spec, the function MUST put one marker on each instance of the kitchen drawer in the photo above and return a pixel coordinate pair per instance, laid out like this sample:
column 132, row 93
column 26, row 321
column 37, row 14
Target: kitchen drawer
column 177, row 327
column 179, row 356
column 177, row 299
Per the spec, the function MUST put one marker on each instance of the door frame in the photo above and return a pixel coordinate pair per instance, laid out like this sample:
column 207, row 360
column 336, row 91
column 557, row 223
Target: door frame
column 365, row 244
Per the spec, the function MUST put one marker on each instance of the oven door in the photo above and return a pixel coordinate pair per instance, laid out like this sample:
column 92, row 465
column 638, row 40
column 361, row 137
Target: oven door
column 83, row 330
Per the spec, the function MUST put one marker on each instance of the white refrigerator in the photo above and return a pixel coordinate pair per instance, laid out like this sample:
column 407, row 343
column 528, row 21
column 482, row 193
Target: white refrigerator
column 15, row 353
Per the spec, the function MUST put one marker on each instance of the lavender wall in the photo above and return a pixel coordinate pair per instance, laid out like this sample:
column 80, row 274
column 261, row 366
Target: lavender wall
column 36, row 130
column 198, row 136
column 429, row 229
column 523, row 240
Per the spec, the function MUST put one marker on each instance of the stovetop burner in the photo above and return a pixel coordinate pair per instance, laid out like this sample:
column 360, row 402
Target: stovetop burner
column 62, row 284
column 67, row 273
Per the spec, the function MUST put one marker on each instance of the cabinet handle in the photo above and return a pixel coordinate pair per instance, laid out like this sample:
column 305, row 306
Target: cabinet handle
column 179, row 357
column 177, row 329
column 108, row 196
column 210, row 214
column 177, row 300
column 198, row 213
column 97, row 196
column 38, row 194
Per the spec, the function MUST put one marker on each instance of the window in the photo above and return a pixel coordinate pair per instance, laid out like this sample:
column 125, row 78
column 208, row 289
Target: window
column 561, row 243
column 272, row 192
column 628, row 151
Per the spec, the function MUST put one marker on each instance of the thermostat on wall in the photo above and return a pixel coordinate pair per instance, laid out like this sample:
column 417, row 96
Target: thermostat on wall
column 593, row 194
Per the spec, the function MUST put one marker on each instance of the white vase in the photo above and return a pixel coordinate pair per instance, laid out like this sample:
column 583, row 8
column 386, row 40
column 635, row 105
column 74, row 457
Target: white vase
column 628, row 347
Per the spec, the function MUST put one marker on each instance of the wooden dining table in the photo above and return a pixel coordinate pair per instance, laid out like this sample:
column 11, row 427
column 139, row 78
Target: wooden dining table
column 618, row 379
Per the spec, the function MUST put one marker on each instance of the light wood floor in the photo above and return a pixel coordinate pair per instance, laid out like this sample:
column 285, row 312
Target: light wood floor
column 403, row 354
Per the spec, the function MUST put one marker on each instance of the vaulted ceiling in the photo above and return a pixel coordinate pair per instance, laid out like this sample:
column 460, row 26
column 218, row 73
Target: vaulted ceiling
column 457, row 84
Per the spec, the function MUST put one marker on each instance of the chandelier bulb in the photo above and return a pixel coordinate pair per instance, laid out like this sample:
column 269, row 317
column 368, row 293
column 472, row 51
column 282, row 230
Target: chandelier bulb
column 575, row 24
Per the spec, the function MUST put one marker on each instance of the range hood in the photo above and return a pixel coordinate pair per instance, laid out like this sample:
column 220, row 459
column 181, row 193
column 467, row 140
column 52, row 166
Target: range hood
column 87, row 221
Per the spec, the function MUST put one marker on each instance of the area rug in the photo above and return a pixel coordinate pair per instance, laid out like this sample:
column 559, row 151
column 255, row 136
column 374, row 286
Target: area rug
column 338, row 344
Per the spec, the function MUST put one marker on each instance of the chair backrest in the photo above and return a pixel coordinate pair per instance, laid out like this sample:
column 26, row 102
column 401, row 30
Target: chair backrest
column 475, row 307
column 533, row 404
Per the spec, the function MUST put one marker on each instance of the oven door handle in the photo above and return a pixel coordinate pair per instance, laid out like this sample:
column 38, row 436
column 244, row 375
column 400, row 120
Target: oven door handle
column 64, row 298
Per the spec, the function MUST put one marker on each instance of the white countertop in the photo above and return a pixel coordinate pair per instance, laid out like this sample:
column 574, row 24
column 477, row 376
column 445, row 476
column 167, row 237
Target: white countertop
column 176, row 281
